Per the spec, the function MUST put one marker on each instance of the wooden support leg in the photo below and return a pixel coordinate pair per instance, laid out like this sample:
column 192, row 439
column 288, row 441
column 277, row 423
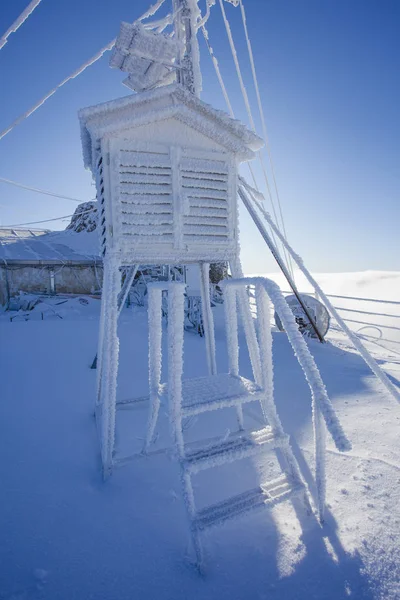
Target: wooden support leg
column 155, row 339
column 208, row 321
column 98, row 361
column 109, row 362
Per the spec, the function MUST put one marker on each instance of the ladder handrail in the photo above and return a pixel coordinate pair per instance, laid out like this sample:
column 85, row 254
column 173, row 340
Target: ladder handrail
column 265, row 291
column 302, row 353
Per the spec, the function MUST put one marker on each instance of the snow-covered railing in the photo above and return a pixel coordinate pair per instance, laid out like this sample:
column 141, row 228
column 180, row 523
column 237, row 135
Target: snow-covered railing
column 375, row 324
column 256, row 209
column 321, row 404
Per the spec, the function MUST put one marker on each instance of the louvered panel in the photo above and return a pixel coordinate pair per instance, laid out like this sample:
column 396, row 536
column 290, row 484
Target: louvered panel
column 202, row 183
column 145, row 188
column 134, row 158
column 144, row 170
column 203, row 165
column 150, row 187
column 153, row 178
column 145, row 199
column 207, row 194
column 145, row 209
column 147, row 219
column 203, row 175
column 203, row 220
column 200, row 211
column 205, row 239
column 205, row 229
column 207, row 203
column 146, row 230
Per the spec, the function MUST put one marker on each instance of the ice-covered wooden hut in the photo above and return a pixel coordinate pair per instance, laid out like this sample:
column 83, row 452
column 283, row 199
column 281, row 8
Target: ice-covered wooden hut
column 166, row 169
column 165, row 165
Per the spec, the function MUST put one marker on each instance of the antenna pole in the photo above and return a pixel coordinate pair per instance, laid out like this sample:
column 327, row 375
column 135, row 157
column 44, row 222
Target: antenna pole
column 186, row 14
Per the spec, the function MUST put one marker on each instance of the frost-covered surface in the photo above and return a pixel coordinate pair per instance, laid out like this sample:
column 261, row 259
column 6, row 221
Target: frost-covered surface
column 162, row 103
column 66, row 534
column 84, row 217
column 59, row 246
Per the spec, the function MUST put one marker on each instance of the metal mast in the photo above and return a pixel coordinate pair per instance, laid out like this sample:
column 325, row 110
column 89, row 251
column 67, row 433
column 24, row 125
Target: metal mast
column 186, row 14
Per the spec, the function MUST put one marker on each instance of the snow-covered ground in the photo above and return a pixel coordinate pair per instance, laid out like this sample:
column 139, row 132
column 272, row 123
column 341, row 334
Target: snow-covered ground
column 67, row 535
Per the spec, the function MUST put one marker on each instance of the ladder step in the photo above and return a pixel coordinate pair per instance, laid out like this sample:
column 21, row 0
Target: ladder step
column 234, row 448
column 217, row 391
column 268, row 494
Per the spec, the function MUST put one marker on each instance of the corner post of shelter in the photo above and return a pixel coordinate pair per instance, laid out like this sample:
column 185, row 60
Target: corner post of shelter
column 109, row 361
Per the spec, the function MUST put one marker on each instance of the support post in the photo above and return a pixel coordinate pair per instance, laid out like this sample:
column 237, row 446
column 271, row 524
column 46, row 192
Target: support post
column 109, row 366
column 122, row 296
column 155, row 338
column 231, row 326
column 208, row 321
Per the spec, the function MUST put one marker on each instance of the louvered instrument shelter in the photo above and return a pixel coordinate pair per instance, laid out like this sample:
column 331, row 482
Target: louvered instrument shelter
column 166, row 169
column 165, row 165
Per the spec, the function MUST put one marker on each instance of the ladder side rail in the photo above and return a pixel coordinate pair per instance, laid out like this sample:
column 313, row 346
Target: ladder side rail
column 248, row 322
column 154, row 314
column 321, row 404
column 176, row 315
column 303, row 356
column 265, row 341
column 231, row 326
column 263, row 304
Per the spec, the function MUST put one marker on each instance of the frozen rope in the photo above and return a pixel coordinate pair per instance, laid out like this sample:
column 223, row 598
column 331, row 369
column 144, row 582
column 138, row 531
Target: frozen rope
column 19, row 21
column 226, row 97
column 217, row 71
column 370, row 361
column 39, row 191
column 248, row 110
column 203, row 21
column 263, row 123
column 75, row 74
column 44, row 221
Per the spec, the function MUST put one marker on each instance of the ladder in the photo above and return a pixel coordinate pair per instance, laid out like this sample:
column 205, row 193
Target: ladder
column 230, row 390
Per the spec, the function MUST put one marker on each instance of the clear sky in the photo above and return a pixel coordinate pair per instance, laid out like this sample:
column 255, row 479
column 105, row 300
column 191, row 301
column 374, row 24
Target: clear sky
column 330, row 81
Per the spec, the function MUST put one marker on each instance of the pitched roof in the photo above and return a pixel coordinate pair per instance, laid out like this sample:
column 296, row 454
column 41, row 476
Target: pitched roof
column 33, row 246
column 161, row 103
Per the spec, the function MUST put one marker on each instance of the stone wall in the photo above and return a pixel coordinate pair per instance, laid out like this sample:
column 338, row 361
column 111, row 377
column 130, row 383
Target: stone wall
column 58, row 279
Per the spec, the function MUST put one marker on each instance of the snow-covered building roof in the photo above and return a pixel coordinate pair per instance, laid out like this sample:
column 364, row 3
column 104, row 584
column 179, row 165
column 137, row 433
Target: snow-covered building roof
column 32, row 246
column 171, row 101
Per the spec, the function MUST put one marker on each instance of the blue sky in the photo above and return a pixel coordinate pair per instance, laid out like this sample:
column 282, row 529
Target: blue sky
column 330, row 82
